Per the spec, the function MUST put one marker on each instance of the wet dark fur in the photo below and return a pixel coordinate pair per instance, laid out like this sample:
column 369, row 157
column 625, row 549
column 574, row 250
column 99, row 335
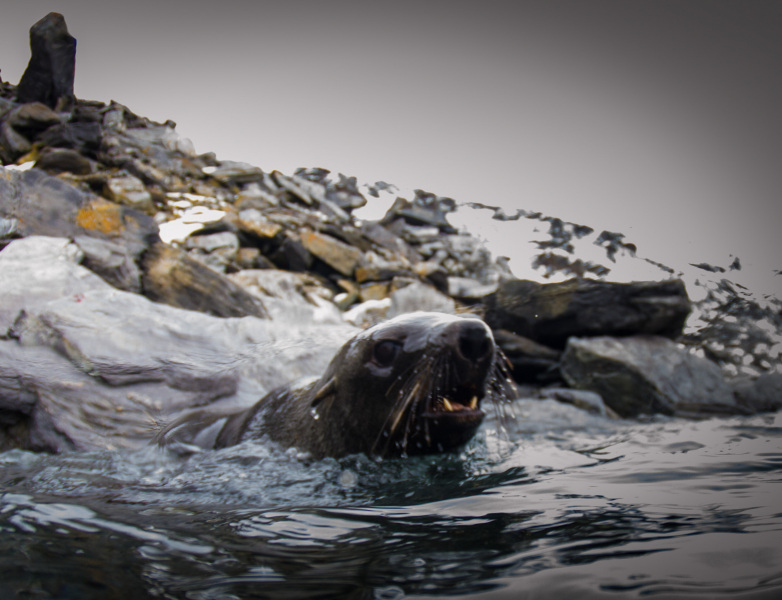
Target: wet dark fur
column 381, row 394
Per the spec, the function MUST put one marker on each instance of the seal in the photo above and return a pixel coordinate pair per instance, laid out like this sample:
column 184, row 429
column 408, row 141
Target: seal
column 413, row 385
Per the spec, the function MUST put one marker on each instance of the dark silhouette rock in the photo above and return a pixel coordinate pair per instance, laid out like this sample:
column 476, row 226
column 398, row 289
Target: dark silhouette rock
column 49, row 75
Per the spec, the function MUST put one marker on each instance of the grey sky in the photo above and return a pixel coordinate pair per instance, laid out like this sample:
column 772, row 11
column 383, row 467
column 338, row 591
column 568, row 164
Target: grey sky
column 658, row 119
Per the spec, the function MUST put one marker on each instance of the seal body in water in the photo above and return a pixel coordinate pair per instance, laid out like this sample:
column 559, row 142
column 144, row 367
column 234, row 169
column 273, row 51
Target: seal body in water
column 411, row 385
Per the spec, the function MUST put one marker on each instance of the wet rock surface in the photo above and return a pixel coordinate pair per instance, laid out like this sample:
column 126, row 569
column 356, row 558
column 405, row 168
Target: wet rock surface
column 140, row 278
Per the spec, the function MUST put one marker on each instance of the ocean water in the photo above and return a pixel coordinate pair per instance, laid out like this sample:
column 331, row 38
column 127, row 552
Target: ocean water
column 548, row 502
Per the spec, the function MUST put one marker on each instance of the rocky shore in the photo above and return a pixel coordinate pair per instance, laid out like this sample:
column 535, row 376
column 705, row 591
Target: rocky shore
column 140, row 279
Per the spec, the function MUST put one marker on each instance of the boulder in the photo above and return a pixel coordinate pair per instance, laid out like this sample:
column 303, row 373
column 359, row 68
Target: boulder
column 647, row 375
column 760, row 394
column 50, row 72
column 550, row 313
column 172, row 277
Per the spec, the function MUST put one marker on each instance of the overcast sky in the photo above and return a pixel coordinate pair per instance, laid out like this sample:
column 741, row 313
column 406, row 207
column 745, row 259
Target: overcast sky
column 658, row 119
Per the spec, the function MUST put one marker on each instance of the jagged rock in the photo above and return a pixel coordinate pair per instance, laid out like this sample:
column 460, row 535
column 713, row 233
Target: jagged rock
column 174, row 278
column 551, row 313
column 424, row 209
column 530, row 361
column 49, row 74
column 647, row 375
column 338, row 255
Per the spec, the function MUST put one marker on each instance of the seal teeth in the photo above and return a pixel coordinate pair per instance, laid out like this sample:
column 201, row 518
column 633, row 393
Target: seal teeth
column 447, row 404
column 474, row 402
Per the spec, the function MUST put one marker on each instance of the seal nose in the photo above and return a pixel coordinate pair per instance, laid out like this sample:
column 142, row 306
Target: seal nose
column 475, row 340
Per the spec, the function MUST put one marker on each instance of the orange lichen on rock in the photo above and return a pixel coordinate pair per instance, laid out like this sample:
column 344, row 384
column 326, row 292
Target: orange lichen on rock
column 101, row 215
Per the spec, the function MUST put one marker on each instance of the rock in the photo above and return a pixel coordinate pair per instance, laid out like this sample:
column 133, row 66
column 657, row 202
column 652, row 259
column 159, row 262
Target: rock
column 172, row 277
column 45, row 205
column 36, row 270
column 253, row 221
column 59, row 160
column 85, row 138
column 213, row 241
column 291, row 255
column 553, row 312
column 588, row 401
column 32, row 119
column 50, row 72
column 290, row 297
column 419, row 296
column 373, row 267
column 368, row 313
column 110, row 260
column 530, row 361
column 338, row 255
column 12, row 144
column 425, row 209
column 646, row 375
column 469, row 289
column 231, row 172
column 130, row 191
column 761, row 394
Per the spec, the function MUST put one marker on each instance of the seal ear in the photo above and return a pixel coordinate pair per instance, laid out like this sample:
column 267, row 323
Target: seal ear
column 327, row 389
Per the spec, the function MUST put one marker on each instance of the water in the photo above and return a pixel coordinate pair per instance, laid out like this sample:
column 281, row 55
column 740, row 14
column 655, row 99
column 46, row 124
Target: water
column 558, row 504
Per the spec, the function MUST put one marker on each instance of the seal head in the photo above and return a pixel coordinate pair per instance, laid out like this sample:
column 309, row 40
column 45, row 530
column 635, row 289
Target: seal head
column 411, row 385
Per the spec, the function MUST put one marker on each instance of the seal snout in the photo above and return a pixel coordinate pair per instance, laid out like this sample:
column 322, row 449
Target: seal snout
column 475, row 342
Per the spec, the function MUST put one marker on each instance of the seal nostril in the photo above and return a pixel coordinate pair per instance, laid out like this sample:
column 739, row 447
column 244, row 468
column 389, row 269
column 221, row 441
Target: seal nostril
column 474, row 341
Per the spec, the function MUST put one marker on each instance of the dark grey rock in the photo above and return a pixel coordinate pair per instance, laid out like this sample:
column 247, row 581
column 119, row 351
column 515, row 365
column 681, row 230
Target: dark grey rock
column 530, row 361
column 85, row 138
column 551, row 313
column 50, row 72
column 647, row 375
column 59, row 160
column 761, row 394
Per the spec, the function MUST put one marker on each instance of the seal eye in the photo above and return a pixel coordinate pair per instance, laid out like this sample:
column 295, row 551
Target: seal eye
column 385, row 352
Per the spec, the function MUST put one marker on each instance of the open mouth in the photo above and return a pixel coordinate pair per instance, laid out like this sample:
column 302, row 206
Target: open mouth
column 460, row 404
